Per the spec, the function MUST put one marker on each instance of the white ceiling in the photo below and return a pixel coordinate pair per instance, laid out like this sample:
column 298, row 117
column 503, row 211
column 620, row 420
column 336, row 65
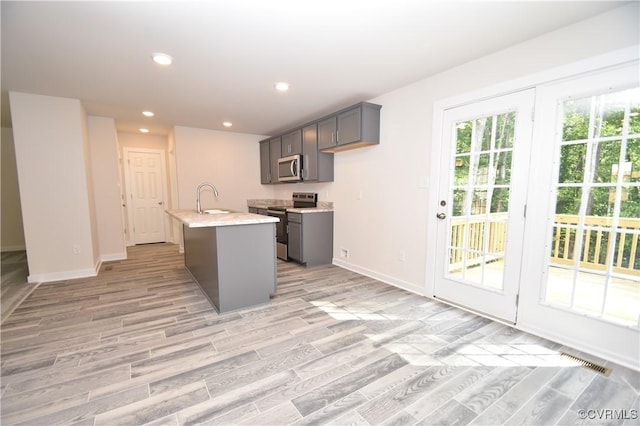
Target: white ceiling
column 228, row 54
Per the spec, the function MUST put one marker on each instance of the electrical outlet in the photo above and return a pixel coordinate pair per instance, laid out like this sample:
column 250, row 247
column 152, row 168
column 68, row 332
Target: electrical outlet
column 402, row 256
column 344, row 253
column 76, row 249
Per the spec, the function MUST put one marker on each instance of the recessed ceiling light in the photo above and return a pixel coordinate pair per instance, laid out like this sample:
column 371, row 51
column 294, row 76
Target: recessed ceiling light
column 162, row 58
column 282, row 86
column 143, row 130
column 227, row 124
column 148, row 113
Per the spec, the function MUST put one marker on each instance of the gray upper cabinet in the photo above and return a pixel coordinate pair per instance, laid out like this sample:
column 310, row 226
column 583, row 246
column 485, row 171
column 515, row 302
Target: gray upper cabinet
column 270, row 151
column 350, row 128
column 265, row 162
column 317, row 165
column 355, row 127
column 275, row 152
column 292, row 143
column 327, row 133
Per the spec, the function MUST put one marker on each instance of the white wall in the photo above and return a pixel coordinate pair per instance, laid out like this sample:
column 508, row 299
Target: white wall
column 106, row 185
column 91, row 194
column 51, row 140
column 139, row 140
column 230, row 161
column 176, row 227
column 380, row 195
column 391, row 217
column 12, row 235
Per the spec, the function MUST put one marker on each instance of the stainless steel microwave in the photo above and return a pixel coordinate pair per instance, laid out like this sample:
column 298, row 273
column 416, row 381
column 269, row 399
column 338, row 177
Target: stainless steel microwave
column 290, row 168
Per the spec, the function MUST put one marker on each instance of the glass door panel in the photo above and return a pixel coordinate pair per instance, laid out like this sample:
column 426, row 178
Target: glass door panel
column 594, row 264
column 482, row 174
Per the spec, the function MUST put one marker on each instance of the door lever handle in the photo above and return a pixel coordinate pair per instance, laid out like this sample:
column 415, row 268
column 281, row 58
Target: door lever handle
column 441, row 216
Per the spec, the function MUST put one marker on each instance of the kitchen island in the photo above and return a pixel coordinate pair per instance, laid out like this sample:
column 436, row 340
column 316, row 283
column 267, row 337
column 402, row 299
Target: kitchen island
column 232, row 256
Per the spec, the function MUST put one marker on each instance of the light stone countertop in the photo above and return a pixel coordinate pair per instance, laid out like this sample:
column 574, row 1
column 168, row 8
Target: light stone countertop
column 194, row 220
column 308, row 210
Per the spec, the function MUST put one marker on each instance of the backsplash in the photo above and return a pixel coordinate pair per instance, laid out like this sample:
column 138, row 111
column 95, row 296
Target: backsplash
column 286, row 203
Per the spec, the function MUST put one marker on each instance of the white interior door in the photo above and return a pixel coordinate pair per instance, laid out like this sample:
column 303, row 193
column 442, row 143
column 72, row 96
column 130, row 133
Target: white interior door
column 482, row 193
column 146, row 196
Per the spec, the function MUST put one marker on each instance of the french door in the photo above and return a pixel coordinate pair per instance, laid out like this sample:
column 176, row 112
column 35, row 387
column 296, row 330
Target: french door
column 484, row 166
column 538, row 219
column 581, row 268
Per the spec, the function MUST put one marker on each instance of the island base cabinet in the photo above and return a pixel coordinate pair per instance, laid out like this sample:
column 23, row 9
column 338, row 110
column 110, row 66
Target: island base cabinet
column 235, row 266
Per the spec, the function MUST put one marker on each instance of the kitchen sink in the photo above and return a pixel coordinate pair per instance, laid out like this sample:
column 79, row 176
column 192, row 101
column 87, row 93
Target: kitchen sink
column 215, row 211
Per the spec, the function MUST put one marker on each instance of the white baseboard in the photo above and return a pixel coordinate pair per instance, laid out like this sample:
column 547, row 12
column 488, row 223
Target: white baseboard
column 113, row 256
column 405, row 285
column 13, row 248
column 62, row 276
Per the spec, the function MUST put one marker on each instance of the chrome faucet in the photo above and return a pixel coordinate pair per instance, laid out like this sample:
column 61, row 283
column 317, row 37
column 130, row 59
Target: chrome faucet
column 202, row 185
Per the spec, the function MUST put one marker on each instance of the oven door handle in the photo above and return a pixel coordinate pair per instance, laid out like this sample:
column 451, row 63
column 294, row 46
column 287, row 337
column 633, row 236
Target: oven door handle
column 277, row 212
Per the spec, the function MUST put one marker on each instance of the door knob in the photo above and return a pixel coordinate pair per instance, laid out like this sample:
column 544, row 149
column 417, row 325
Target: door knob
column 441, row 216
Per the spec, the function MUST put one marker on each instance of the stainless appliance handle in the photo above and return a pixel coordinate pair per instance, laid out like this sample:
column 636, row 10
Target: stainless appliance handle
column 277, row 212
column 292, row 166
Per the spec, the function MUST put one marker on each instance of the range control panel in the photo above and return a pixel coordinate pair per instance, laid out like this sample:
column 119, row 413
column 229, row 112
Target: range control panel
column 309, row 197
column 305, row 199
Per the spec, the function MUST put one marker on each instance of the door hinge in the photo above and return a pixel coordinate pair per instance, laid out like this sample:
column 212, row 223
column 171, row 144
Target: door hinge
column 517, row 299
column 525, row 211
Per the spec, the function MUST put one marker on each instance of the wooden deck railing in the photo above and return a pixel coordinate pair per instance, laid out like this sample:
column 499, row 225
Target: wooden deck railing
column 596, row 247
column 597, row 243
column 496, row 238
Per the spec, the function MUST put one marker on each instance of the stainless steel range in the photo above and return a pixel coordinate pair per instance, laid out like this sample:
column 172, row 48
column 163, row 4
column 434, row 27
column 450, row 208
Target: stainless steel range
column 300, row 200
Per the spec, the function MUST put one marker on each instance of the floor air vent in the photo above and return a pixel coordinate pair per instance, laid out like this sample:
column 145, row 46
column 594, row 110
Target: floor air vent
column 590, row 365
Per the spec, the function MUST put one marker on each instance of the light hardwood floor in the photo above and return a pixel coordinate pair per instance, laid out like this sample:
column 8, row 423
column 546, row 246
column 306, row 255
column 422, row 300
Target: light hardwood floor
column 139, row 344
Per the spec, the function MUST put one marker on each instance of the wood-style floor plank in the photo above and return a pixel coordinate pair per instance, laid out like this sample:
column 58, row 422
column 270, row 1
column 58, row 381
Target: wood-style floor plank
column 140, row 344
